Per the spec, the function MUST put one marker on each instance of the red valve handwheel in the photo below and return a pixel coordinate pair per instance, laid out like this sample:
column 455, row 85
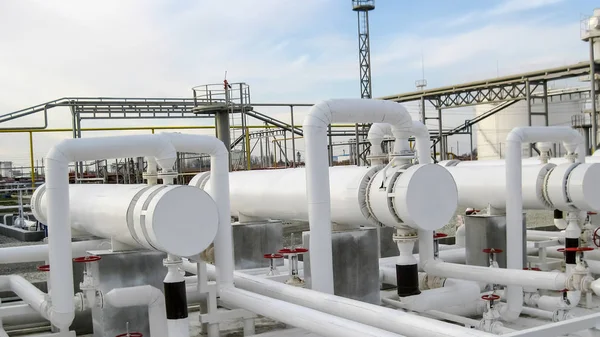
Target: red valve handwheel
column 439, row 235
column 45, row 267
column 130, row 334
column 575, row 249
column 532, row 268
column 592, row 213
column 293, row 251
column 273, row 256
column 88, row 258
column 490, row 297
column 596, row 237
column 492, row 250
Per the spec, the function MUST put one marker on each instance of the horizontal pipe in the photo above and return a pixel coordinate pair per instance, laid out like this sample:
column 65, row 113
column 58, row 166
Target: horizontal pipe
column 34, row 253
column 312, row 320
column 384, row 318
column 521, row 278
column 454, row 292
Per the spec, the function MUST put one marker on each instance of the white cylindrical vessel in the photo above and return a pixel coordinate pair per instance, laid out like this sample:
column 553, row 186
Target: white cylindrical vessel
column 281, row 194
column 357, row 196
column 176, row 219
column 479, row 187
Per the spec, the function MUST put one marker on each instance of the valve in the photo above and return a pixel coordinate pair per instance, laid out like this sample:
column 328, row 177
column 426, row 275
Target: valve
column 88, row 285
column 292, row 254
column 491, row 314
column 596, row 237
column 45, row 267
column 272, row 269
column 436, row 243
column 492, row 256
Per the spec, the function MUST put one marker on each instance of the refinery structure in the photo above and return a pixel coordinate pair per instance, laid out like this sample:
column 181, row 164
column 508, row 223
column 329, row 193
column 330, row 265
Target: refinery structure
column 355, row 220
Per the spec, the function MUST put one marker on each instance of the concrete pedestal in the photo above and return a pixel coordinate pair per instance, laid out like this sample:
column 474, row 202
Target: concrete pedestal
column 355, row 264
column 251, row 241
column 125, row 269
column 488, row 231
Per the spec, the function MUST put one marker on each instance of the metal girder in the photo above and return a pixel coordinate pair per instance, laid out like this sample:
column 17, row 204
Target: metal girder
column 491, row 90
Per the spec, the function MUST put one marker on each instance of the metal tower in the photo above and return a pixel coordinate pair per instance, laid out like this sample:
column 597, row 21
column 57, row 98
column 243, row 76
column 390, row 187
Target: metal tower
column 362, row 8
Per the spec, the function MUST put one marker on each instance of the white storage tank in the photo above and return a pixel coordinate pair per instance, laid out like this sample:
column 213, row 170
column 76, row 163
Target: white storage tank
column 492, row 131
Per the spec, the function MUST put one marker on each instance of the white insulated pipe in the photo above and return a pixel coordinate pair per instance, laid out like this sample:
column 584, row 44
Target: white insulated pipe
column 219, row 191
column 57, row 184
column 145, row 295
column 509, row 277
column 454, row 292
column 376, row 135
column 34, row 253
column 320, row 323
column 34, row 297
column 315, row 127
column 365, row 313
column 514, row 196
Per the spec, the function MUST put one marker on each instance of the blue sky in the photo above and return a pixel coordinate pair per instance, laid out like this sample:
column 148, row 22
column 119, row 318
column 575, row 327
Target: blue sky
column 287, row 50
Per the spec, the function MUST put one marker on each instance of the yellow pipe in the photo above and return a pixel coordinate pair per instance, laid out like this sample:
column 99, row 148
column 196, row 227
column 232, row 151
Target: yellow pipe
column 31, row 159
column 139, row 128
column 247, row 143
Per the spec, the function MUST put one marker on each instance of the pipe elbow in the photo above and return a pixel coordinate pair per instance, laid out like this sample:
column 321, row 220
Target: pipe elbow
column 509, row 314
column 59, row 152
column 320, row 115
column 61, row 320
column 166, row 155
column 419, row 129
column 516, row 135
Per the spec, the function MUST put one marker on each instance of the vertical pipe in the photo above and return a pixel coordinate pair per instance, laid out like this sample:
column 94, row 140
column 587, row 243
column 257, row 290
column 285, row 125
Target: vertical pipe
column 74, row 126
column 594, row 120
column 471, row 142
column 423, row 118
column 440, row 134
column 357, row 146
column 262, row 158
column 31, row 159
column 222, row 121
column 529, row 116
column 152, row 130
column 514, row 220
column 286, row 161
column 293, row 137
column 330, row 147
column 175, row 300
column 248, row 151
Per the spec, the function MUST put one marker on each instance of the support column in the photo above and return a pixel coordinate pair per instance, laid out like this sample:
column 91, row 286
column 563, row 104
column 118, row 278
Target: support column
column 330, row 147
column 593, row 96
column 441, row 135
column 423, row 118
column 357, row 152
column 547, row 112
column 31, row 159
column 293, row 137
column 222, row 129
column 471, row 142
column 529, row 116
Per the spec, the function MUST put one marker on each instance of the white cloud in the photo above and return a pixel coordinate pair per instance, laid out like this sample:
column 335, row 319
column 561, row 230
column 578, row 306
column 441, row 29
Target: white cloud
column 503, row 8
column 163, row 48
